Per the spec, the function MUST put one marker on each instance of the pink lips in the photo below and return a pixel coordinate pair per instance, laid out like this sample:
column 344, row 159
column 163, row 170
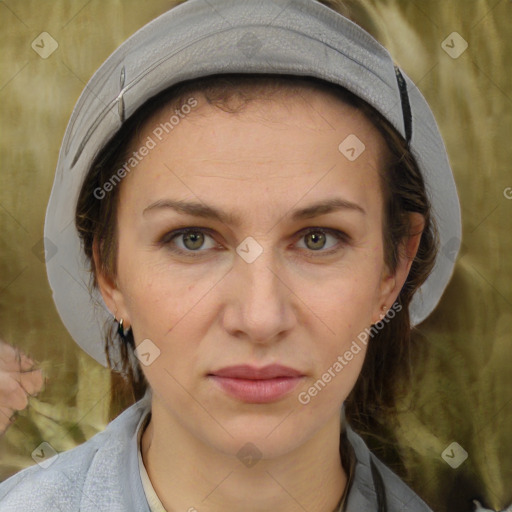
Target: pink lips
column 257, row 385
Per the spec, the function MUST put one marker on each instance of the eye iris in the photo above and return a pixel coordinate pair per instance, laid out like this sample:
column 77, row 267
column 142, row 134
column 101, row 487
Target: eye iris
column 318, row 239
column 196, row 237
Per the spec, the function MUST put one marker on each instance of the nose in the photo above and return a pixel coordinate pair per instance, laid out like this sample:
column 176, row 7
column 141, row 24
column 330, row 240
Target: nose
column 260, row 305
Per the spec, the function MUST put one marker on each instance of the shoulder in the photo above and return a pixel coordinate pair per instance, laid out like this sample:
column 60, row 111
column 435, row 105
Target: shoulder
column 373, row 479
column 399, row 496
column 79, row 479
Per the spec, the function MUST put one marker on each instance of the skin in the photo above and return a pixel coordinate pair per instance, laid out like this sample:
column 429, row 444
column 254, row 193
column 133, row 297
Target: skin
column 18, row 381
column 293, row 305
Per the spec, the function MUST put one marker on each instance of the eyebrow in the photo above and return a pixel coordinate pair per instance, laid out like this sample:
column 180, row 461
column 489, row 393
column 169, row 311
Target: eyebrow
column 208, row 212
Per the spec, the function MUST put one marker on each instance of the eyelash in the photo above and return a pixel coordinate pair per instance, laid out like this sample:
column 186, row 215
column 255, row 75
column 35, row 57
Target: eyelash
column 168, row 238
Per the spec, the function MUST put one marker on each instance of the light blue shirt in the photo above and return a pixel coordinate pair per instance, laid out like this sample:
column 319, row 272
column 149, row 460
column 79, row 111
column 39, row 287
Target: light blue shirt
column 103, row 475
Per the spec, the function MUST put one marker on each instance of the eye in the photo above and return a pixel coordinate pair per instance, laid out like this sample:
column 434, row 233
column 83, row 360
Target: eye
column 316, row 239
column 192, row 240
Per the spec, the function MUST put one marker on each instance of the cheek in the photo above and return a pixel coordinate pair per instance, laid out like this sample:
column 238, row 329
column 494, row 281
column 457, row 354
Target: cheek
column 339, row 355
column 151, row 286
column 344, row 305
column 345, row 298
column 334, row 382
column 158, row 300
column 166, row 311
column 170, row 305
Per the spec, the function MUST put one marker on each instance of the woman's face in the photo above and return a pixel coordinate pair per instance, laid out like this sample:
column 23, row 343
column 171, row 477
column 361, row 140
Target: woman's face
column 249, row 285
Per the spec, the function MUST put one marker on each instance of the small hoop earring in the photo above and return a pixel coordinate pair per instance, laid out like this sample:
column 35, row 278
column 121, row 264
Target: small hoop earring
column 120, row 330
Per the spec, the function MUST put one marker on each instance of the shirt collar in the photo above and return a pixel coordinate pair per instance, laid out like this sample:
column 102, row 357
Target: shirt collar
column 154, row 502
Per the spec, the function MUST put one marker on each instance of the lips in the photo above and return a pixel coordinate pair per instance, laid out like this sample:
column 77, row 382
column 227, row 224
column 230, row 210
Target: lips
column 272, row 371
column 257, row 385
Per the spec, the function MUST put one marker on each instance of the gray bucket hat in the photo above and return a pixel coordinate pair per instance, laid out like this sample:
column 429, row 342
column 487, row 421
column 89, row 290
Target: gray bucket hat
column 199, row 38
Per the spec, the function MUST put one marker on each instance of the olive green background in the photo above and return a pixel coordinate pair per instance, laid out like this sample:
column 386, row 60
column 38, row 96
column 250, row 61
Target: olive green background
column 463, row 387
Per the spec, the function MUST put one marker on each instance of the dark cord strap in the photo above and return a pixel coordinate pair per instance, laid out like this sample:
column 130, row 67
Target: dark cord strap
column 406, row 106
column 380, row 489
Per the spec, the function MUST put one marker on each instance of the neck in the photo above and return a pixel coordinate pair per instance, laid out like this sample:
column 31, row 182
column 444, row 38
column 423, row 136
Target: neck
column 188, row 474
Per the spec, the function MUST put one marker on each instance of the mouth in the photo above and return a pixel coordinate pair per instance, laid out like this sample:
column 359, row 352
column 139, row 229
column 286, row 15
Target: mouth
column 257, row 385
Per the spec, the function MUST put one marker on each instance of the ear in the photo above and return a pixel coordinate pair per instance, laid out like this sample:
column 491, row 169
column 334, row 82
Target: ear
column 392, row 283
column 109, row 289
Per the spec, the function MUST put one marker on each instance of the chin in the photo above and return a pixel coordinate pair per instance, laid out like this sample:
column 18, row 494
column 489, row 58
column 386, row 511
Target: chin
column 262, row 436
column 250, row 449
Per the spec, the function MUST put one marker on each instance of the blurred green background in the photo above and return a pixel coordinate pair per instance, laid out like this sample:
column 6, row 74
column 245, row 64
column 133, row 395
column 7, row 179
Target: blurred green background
column 464, row 381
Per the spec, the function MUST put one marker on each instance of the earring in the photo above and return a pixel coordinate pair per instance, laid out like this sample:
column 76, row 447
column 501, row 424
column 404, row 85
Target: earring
column 383, row 309
column 120, row 330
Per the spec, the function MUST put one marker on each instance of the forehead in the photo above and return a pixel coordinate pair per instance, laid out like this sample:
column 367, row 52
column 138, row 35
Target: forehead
column 283, row 145
column 315, row 105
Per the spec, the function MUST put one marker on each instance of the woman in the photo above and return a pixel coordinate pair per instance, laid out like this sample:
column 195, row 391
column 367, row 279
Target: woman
column 255, row 190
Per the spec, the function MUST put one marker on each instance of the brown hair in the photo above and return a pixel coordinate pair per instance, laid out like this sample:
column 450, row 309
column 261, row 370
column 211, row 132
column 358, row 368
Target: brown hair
column 386, row 369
